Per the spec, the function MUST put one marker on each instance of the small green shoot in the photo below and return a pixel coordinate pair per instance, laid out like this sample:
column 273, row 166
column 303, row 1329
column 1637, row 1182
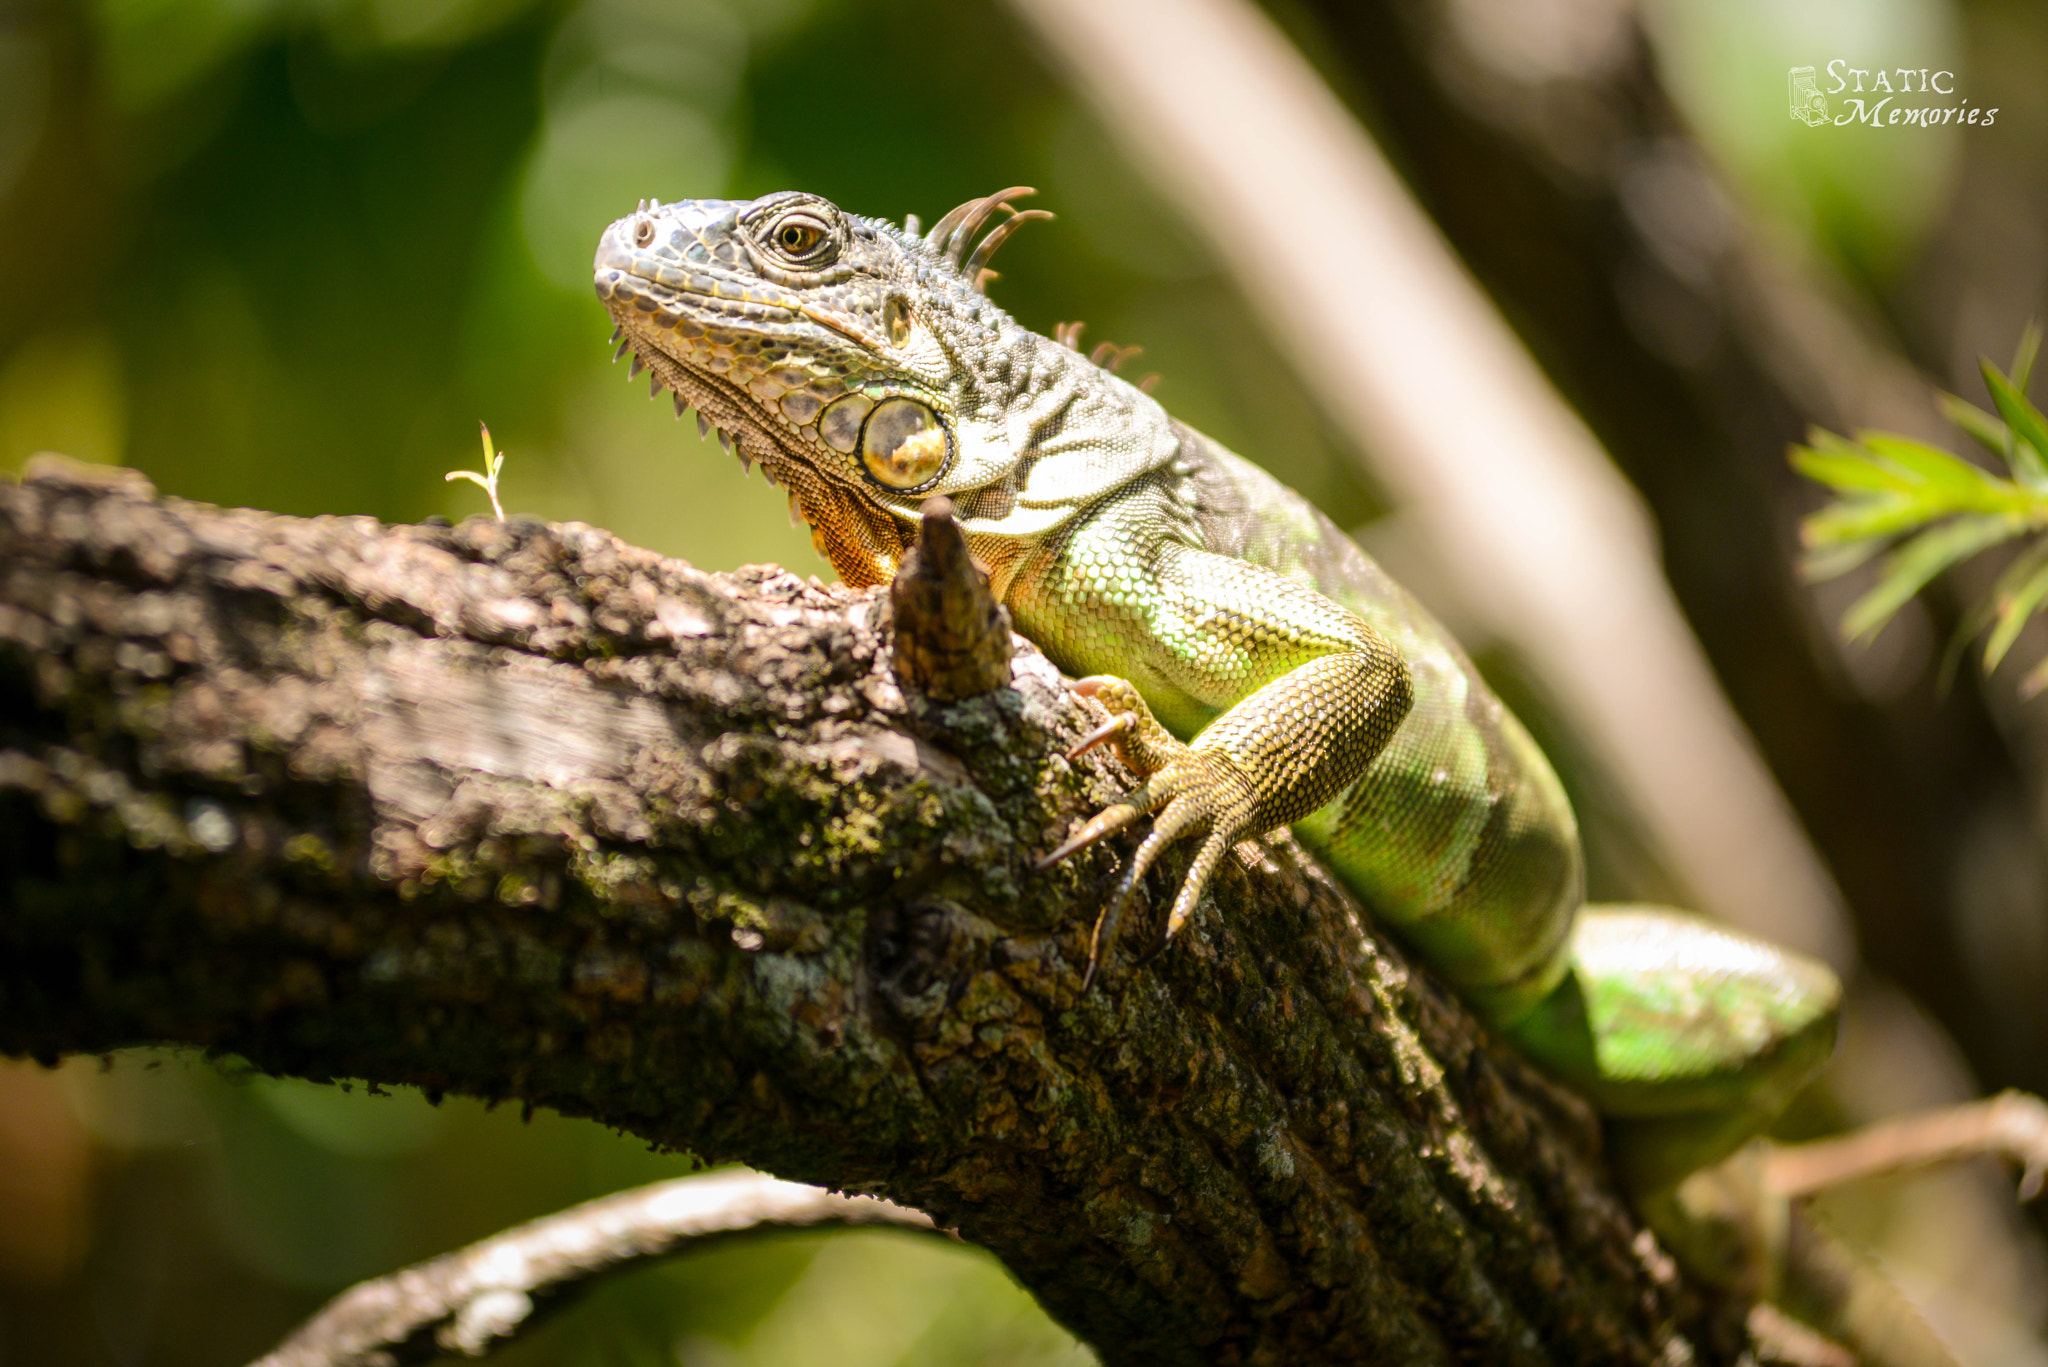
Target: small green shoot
column 1941, row 509
column 494, row 461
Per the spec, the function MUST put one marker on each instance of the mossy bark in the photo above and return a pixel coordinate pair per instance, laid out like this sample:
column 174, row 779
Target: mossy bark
column 521, row 812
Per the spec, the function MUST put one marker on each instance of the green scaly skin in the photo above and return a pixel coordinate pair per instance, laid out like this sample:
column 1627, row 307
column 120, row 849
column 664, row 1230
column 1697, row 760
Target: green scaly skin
column 1260, row 668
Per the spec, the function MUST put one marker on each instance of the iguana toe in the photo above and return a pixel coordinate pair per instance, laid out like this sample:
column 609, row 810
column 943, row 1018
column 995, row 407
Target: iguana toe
column 1188, row 789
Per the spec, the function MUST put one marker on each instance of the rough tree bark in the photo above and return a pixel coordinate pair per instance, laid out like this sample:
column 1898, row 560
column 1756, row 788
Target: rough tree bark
column 522, row 812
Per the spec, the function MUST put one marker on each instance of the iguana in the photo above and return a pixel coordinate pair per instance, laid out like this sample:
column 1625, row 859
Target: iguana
column 1258, row 668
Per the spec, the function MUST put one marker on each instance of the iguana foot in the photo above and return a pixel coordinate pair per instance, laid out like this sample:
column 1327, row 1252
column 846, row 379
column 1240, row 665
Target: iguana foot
column 1185, row 789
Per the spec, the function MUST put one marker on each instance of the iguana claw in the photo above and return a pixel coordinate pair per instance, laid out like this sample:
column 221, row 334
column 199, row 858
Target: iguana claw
column 1108, row 731
column 1108, row 821
column 1186, row 788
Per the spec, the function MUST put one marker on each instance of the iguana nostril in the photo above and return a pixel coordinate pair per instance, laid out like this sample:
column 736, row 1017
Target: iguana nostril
column 643, row 233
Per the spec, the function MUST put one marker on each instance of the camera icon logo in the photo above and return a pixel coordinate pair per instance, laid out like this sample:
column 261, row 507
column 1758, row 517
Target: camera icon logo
column 1809, row 106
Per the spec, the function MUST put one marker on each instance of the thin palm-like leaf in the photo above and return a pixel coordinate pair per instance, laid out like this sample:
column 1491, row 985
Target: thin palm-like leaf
column 1844, row 524
column 2022, row 371
column 1896, row 485
column 1969, row 629
column 1941, row 509
column 1829, row 562
column 1847, row 470
column 2027, row 450
column 1869, row 518
column 1909, row 569
column 2018, row 596
column 1974, row 423
column 1929, row 464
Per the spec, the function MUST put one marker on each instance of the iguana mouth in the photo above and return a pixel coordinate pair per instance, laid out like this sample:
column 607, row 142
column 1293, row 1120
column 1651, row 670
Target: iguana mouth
column 666, row 293
column 672, row 299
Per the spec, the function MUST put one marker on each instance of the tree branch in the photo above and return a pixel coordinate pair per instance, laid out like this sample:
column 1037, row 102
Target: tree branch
column 477, row 1298
column 520, row 811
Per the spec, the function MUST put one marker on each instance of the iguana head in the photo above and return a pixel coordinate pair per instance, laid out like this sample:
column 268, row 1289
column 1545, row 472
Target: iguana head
column 862, row 365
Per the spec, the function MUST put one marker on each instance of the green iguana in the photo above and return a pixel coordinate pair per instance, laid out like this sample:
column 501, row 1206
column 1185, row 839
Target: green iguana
column 1259, row 669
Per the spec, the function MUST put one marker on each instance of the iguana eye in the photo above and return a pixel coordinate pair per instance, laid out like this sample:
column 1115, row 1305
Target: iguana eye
column 903, row 446
column 799, row 235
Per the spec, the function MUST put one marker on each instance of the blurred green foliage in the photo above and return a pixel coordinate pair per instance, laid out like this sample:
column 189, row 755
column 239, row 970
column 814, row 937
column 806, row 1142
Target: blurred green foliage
column 231, row 1203
column 1941, row 510
column 1865, row 194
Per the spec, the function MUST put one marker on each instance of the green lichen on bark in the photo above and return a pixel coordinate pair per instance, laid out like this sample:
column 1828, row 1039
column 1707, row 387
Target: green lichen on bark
column 519, row 811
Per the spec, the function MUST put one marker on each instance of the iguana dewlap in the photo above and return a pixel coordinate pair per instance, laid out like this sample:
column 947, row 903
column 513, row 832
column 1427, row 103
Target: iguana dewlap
column 1268, row 670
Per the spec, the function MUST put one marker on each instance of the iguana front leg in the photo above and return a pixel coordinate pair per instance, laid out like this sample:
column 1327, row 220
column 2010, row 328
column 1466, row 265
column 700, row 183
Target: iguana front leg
column 1303, row 695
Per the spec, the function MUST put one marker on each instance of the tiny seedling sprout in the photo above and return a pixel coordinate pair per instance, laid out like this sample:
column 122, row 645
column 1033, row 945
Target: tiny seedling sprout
column 494, row 461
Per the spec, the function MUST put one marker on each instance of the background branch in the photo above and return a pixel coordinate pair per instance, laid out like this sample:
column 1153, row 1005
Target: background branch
column 472, row 1300
column 522, row 812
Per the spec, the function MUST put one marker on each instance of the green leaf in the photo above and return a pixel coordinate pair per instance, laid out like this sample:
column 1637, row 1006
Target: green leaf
column 1864, row 518
column 1831, row 561
column 2022, row 370
column 1846, row 470
column 1945, row 508
column 1823, row 440
column 1979, row 426
column 1930, row 463
column 2017, row 597
column 1909, row 569
column 2028, row 452
column 1957, row 647
column 2013, row 615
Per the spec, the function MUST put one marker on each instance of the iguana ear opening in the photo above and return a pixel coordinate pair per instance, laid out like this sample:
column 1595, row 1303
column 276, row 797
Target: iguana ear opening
column 903, row 447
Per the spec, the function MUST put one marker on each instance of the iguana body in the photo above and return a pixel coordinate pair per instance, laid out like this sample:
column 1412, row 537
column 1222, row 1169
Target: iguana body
column 1264, row 669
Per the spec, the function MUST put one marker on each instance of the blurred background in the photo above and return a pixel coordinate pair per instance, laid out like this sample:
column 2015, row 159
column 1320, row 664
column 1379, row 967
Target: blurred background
column 288, row 253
